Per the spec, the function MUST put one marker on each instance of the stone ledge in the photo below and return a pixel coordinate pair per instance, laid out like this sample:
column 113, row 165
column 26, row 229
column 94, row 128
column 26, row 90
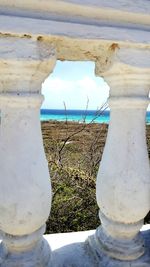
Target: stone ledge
column 57, row 241
column 71, row 249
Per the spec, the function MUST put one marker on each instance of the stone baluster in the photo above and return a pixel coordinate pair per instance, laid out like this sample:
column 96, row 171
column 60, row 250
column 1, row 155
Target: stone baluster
column 123, row 181
column 25, row 191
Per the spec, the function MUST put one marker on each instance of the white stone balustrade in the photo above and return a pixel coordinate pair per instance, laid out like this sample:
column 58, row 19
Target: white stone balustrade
column 114, row 35
column 25, row 192
column 123, row 182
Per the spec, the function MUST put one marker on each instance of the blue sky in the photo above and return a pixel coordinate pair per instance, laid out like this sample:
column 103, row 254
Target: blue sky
column 74, row 83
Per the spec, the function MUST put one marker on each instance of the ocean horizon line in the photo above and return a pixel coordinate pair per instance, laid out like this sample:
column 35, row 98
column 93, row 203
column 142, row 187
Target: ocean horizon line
column 53, row 109
column 57, row 109
column 78, row 115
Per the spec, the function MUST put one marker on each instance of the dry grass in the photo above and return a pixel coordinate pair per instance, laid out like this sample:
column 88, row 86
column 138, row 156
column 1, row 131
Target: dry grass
column 73, row 173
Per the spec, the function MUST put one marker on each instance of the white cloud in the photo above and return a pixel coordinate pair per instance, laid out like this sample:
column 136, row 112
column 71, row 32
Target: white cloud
column 74, row 93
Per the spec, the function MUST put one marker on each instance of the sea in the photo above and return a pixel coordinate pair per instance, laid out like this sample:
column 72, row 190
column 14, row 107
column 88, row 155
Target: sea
column 86, row 116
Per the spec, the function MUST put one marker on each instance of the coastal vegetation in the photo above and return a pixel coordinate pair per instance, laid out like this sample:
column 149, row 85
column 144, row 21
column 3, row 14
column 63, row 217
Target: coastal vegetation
column 74, row 151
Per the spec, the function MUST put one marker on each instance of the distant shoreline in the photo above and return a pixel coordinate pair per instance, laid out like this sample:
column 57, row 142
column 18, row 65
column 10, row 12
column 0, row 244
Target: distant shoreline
column 86, row 116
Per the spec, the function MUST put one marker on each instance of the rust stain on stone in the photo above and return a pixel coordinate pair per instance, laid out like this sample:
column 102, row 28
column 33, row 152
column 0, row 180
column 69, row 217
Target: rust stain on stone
column 39, row 38
column 7, row 35
column 27, row 36
column 114, row 46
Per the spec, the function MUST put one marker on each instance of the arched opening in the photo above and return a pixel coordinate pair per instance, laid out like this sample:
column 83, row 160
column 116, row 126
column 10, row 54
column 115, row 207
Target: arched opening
column 74, row 139
column 72, row 95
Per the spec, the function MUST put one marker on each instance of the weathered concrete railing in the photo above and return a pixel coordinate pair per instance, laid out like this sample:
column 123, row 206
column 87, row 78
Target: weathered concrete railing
column 123, row 182
column 32, row 38
column 25, row 189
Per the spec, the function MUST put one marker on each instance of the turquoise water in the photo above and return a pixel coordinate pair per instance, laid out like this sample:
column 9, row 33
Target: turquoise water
column 78, row 115
column 74, row 115
column 89, row 118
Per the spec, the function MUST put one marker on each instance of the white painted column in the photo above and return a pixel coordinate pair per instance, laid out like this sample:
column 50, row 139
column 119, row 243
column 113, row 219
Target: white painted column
column 25, row 190
column 123, row 181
